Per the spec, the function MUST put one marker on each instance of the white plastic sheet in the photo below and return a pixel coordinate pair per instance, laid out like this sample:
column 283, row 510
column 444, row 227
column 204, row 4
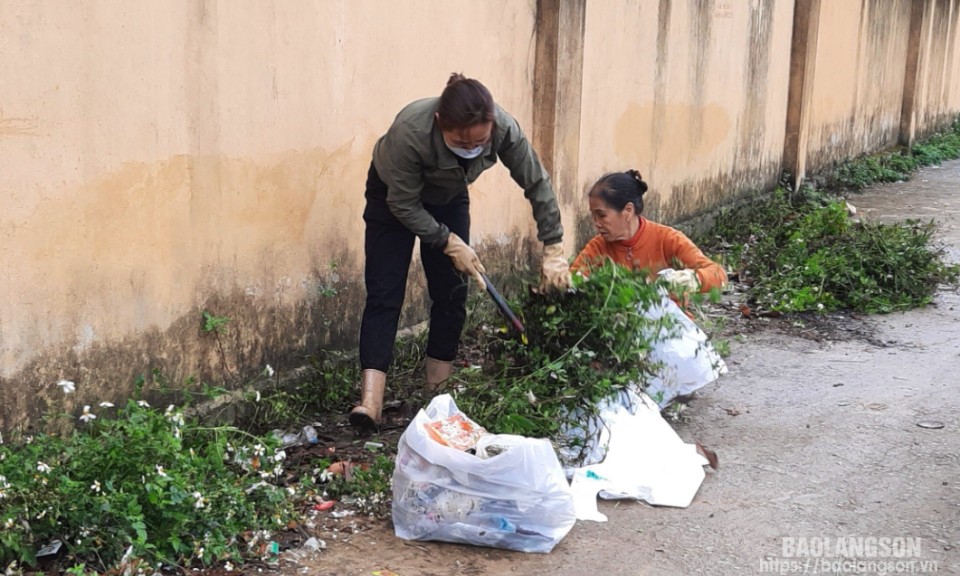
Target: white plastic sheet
column 645, row 460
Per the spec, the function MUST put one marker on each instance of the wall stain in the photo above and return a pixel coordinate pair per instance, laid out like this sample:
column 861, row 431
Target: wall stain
column 695, row 197
column 10, row 126
column 664, row 9
column 752, row 146
column 701, row 36
column 284, row 336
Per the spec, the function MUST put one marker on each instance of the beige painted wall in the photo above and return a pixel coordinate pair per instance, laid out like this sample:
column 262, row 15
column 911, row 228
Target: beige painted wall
column 858, row 81
column 938, row 98
column 165, row 157
column 693, row 95
column 160, row 158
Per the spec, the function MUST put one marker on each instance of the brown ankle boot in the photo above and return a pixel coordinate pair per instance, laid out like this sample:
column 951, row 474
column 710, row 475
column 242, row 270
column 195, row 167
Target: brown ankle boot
column 437, row 374
column 367, row 414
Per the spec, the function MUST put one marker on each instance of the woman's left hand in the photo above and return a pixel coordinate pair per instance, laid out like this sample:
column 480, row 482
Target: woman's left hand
column 555, row 275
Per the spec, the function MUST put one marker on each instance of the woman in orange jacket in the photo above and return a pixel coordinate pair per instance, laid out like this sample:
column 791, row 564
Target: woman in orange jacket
column 629, row 239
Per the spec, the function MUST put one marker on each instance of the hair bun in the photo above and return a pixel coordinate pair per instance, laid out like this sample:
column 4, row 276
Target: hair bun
column 641, row 185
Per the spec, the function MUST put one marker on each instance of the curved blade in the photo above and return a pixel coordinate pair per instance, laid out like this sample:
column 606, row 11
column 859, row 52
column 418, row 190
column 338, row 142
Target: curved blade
column 503, row 306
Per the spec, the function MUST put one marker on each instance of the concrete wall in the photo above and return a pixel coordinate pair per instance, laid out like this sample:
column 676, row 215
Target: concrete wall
column 167, row 157
column 938, row 70
column 691, row 94
column 858, row 79
column 162, row 158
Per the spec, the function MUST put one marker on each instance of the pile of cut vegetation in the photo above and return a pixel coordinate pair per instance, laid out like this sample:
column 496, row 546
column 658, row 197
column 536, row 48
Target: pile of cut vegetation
column 804, row 252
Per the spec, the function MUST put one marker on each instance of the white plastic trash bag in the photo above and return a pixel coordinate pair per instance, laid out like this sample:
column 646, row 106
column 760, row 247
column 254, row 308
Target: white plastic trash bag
column 688, row 361
column 516, row 498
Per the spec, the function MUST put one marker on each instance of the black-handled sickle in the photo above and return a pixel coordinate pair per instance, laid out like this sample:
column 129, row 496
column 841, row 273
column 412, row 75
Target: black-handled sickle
column 503, row 306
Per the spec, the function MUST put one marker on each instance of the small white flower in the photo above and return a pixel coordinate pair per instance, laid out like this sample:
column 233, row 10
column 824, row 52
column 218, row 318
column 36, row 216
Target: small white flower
column 326, row 476
column 143, row 404
column 106, row 404
column 279, row 456
column 42, row 468
column 200, row 552
column 67, row 386
column 160, row 471
column 291, row 490
column 8, row 524
column 819, row 306
column 258, row 396
column 228, row 567
column 169, row 410
column 268, row 371
column 200, row 502
column 531, row 398
column 95, row 486
column 87, row 415
column 258, row 450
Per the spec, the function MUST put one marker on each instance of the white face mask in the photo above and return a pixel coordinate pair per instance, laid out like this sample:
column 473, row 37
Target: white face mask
column 466, row 154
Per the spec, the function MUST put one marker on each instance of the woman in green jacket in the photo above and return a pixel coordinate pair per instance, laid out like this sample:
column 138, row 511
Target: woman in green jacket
column 417, row 187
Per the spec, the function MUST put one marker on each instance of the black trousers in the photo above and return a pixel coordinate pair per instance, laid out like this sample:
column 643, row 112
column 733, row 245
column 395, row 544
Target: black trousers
column 388, row 248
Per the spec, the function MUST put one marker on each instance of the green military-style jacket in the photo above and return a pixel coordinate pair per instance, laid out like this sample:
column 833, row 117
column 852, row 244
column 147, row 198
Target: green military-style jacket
column 418, row 168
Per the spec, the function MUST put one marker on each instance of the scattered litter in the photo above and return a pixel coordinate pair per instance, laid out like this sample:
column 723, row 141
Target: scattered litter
column 844, row 403
column 384, row 573
column 373, row 446
column 456, row 431
column 518, row 499
column 314, row 543
column 930, row 424
column 50, row 549
column 325, row 505
column 308, row 435
column 342, row 513
column 346, row 469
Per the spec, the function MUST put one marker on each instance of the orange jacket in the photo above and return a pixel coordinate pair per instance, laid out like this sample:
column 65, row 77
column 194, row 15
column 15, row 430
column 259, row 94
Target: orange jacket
column 653, row 248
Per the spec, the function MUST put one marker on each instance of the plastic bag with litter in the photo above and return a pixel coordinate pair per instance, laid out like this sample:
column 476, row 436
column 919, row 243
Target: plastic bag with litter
column 511, row 494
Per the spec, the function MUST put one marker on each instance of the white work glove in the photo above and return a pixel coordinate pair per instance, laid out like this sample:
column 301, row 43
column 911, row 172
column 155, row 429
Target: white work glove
column 684, row 280
column 465, row 259
column 556, row 271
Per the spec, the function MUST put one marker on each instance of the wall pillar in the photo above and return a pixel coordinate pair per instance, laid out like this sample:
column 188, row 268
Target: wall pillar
column 803, row 58
column 911, row 84
column 558, row 87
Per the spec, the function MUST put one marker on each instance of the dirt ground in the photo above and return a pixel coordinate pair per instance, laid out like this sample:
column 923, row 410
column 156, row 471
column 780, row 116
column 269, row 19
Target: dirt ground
column 816, row 428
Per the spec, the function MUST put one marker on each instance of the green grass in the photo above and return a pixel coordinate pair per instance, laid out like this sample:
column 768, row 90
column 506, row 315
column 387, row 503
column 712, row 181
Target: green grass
column 897, row 166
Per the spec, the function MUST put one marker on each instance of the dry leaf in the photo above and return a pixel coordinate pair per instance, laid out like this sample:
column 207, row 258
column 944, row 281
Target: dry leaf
column 710, row 455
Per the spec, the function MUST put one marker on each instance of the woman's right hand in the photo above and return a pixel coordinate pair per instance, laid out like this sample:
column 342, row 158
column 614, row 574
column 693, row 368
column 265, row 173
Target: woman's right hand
column 465, row 259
